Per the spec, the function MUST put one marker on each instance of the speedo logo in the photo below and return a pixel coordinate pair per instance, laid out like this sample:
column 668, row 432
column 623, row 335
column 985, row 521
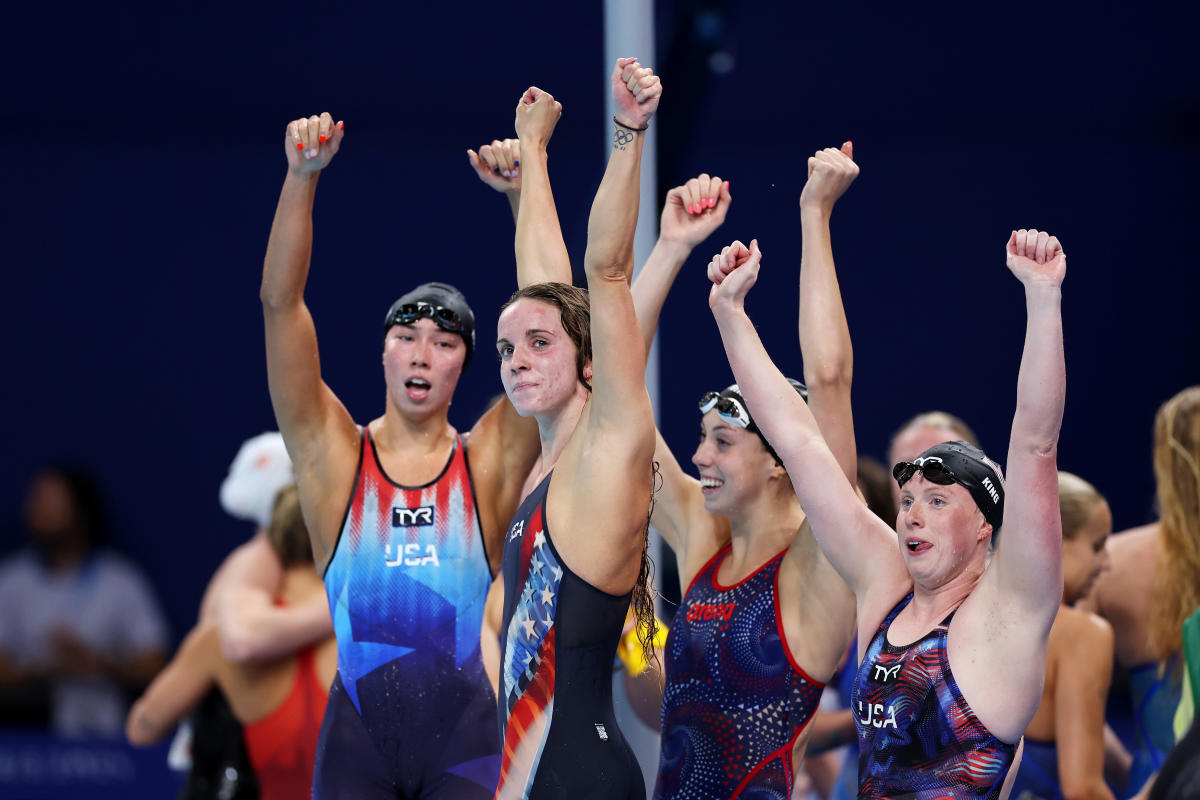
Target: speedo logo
column 991, row 490
column 701, row 611
column 411, row 555
column 412, row 517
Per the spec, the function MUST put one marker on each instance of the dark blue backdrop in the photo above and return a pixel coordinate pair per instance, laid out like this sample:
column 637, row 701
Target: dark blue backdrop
column 143, row 160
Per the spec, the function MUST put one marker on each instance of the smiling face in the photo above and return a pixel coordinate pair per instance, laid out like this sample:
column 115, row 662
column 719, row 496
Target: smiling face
column 537, row 358
column 1084, row 554
column 733, row 464
column 421, row 365
column 941, row 531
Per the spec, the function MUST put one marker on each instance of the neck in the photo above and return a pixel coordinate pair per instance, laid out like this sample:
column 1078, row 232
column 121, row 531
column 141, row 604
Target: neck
column 935, row 602
column 555, row 429
column 764, row 527
column 404, row 431
column 66, row 556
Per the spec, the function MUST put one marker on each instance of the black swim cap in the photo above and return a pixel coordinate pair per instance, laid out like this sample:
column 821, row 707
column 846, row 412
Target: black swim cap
column 443, row 304
column 966, row 465
column 734, row 393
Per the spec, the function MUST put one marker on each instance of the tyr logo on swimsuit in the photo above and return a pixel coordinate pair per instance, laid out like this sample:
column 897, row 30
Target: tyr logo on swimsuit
column 882, row 674
column 412, row 517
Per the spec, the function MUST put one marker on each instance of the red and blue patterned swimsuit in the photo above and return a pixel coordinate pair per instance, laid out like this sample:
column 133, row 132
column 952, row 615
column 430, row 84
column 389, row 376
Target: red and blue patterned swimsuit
column 917, row 737
column 559, row 640
column 735, row 702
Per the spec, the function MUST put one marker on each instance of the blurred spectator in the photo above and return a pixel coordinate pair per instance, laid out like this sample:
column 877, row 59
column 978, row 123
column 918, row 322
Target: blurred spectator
column 80, row 628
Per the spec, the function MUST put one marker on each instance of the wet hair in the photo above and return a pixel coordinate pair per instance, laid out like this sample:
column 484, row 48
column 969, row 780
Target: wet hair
column 286, row 532
column 938, row 420
column 1177, row 473
column 575, row 312
column 642, row 602
column 1077, row 500
column 91, row 510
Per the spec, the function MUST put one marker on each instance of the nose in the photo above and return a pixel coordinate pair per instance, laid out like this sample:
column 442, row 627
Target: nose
column 517, row 361
column 420, row 353
column 912, row 516
column 703, row 455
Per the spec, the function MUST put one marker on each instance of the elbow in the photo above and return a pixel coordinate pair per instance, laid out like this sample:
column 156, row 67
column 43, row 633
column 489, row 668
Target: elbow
column 828, row 375
column 139, row 730
column 238, row 645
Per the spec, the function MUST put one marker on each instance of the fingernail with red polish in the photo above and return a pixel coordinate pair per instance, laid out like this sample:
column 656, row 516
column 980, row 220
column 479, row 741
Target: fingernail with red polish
column 322, row 138
column 299, row 145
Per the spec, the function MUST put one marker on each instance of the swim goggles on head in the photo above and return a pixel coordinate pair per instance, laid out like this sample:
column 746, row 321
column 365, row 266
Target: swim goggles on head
column 728, row 408
column 932, row 468
column 445, row 318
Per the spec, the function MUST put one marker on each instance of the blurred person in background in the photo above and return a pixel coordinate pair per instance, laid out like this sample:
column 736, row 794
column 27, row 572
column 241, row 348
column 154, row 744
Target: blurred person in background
column 279, row 702
column 1154, row 584
column 1064, row 743
column 80, row 627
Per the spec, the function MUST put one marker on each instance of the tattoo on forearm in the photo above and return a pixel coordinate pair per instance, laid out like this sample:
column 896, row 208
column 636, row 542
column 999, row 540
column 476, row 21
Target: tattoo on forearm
column 622, row 138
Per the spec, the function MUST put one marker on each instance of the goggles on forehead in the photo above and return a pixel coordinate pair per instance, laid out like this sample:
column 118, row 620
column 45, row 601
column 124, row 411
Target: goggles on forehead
column 932, row 468
column 728, row 408
column 445, row 318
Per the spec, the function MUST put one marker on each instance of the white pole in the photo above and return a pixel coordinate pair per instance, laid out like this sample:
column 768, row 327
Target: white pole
column 629, row 32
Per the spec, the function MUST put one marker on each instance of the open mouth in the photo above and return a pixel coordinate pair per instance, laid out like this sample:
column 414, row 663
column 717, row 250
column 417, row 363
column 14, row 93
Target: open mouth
column 917, row 545
column 710, row 485
column 417, row 388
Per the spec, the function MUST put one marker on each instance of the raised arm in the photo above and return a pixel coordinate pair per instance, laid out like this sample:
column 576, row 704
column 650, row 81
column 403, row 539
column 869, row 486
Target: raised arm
column 541, row 252
column 1026, row 570
column 320, row 435
column 824, row 334
column 499, row 166
column 690, row 215
column 609, row 453
column 843, row 526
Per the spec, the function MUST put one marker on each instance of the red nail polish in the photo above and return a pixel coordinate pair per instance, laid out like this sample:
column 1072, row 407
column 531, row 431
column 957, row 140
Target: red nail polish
column 299, row 145
column 322, row 138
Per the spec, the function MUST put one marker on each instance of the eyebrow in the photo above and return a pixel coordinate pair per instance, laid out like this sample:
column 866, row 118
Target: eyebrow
column 528, row 333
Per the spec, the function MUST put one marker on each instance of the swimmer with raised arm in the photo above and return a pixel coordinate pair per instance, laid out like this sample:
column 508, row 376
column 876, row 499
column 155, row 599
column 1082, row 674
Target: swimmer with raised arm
column 952, row 645
column 575, row 555
column 406, row 516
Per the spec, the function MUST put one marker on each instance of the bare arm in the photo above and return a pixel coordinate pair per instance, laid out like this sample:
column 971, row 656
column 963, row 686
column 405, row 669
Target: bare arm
column 541, row 252
column 499, row 166
column 843, row 526
column 1079, row 697
column 608, row 264
column 176, row 690
column 1027, row 567
column 690, row 215
column 824, row 334
column 253, row 628
column 321, row 437
column 502, row 449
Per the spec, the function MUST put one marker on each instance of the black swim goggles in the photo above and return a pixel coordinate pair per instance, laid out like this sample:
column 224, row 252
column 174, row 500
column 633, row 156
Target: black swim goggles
column 728, row 408
column 932, row 468
column 445, row 318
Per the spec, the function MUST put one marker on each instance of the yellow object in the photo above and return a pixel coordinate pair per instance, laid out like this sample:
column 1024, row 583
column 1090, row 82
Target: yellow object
column 629, row 648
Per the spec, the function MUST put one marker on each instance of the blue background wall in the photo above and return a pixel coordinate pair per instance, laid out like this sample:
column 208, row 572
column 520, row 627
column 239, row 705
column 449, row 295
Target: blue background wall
column 142, row 159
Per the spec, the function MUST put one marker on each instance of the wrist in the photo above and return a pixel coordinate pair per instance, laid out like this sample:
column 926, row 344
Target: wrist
column 674, row 249
column 815, row 212
column 631, row 127
column 301, row 175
